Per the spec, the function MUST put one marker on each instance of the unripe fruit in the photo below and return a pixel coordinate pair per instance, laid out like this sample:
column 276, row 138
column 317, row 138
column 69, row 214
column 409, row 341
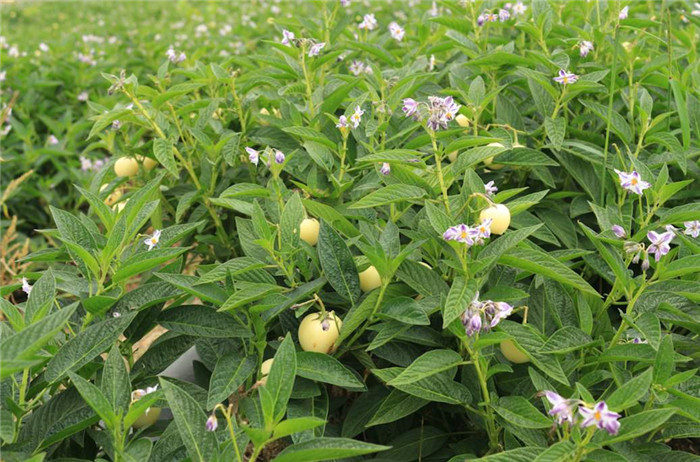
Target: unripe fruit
column 489, row 162
column 319, row 335
column 147, row 419
column 462, row 120
column 113, row 197
column 120, row 206
column 126, row 166
column 512, row 353
column 453, row 156
column 425, row 264
column 500, row 216
column 147, row 162
column 370, row 279
column 265, row 370
column 308, row 230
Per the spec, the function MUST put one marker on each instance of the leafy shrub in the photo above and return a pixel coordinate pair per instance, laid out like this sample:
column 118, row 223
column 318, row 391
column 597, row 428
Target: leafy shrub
column 446, row 232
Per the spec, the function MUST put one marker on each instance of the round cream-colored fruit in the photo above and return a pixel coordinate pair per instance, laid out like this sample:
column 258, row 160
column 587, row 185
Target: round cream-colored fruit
column 126, row 166
column 462, row 120
column 319, row 335
column 265, row 370
column 308, row 230
column 499, row 215
column 453, row 156
column 147, row 162
column 512, row 353
column 370, row 279
column 489, row 162
column 147, row 419
column 113, row 197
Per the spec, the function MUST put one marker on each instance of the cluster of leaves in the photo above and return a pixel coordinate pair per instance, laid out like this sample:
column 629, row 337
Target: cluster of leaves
column 231, row 277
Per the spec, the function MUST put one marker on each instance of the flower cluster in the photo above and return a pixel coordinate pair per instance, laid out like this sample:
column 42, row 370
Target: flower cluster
column 357, row 67
column 659, row 242
column 632, row 182
column 503, row 14
column 254, row 156
column 597, row 415
column 174, row 56
column 439, row 111
column 469, row 235
column 484, row 315
column 369, row 22
column 88, row 165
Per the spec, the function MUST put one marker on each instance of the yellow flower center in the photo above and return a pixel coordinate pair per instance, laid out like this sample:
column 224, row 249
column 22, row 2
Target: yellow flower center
column 633, row 181
column 463, row 235
column 597, row 415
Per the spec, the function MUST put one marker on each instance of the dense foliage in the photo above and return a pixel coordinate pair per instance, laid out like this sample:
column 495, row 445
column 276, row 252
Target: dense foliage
column 436, row 231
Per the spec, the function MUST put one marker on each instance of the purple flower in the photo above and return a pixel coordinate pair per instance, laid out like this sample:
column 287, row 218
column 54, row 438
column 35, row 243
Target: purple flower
column 253, row 155
column 410, row 107
column 601, row 417
column 369, row 22
column 692, row 228
column 481, row 231
column 481, row 20
column 441, row 111
column 287, row 37
column 460, row 233
column 212, row 423
column 174, row 56
column 356, row 117
column 316, row 49
column 638, row 340
column 490, row 188
column 565, row 77
column 501, row 311
column 279, row 156
column 562, row 408
column 585, row 47
column 26, row 288
column 503, row 15
column 659, row 243
column 472, row 323
column 342, row 122
column 619, row 231
column 624, row 13
column 386, row 169
column 153, row 240
column 83, row 96
column 397, row 32
column 357, row 67
column 345, row 3
column 116, row 125
column 52, row 140
column 632, row 182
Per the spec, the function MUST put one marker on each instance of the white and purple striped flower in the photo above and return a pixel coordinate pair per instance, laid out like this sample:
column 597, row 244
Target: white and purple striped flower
column 153, row 240
column 619, row 231
column 562, row 408
column 369, row 22
column 342, row 122
column 279, row 156
column 585, row 47
column 600, row 417
column 632, row 182
column 659, row 243
column 26, row 287
column 519, row 9
column 565, row 77
column 460, row 233
column 356, row 117
column 316, row 49
column 287, row 37
column 212, row 423
column 397, row 32
column 692, row 228
column 385, row 169
column 253, row 155
column 624, row 13
column 490, row 188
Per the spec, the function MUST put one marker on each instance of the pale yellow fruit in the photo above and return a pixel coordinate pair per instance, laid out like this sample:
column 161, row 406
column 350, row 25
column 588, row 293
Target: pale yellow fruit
column 119, row 206
column 308, row 230
column 147, row 162
column 126, row 166
column 489, row 162
column 512, row 353
column 370, row 279
column 113, row 197
column 500, row 216
column 319, row 335
column 462, row 120
column 265, row 370
column 147, row 418
column 425, row 264
column 453, row 156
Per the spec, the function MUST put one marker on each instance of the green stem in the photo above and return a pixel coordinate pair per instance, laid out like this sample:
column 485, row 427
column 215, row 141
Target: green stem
column 438, row 165
column 488, row 411
column 613, row 76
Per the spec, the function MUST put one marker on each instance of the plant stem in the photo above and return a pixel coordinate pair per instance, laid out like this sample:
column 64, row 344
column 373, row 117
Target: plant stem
column 613, row 76
column 488, row 416
column 438, row 165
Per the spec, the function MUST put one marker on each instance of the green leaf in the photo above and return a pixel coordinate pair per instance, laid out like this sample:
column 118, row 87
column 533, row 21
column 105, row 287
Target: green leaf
column 439, row 387
column 202, row 321
column 493, row 251
column 427, row 364
column 337, row 263
column 566, row 340
column 634, row 426
column 291, row 218
column 538, row 262
column 423, row 280
column 461, row 295
column 526, row 157
column 115, row 382
column 163, row 151
column 22, row 345
column 95, row 399
column 663, row 363
column 230, row 372
column 398, row 156
column 280, row 382
column 405, row 310
column 85, row 346
column 556, row 131
column 145, row 261
column 248, row 292
column 324, row 368
column 519, row 411
column 357, row 315
column 325, row 448
column 680, row 267
column 630, row 392
column 191, row 420
column 320, row 154
column 389, row 195
column 296, row 425
column 396, row 406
